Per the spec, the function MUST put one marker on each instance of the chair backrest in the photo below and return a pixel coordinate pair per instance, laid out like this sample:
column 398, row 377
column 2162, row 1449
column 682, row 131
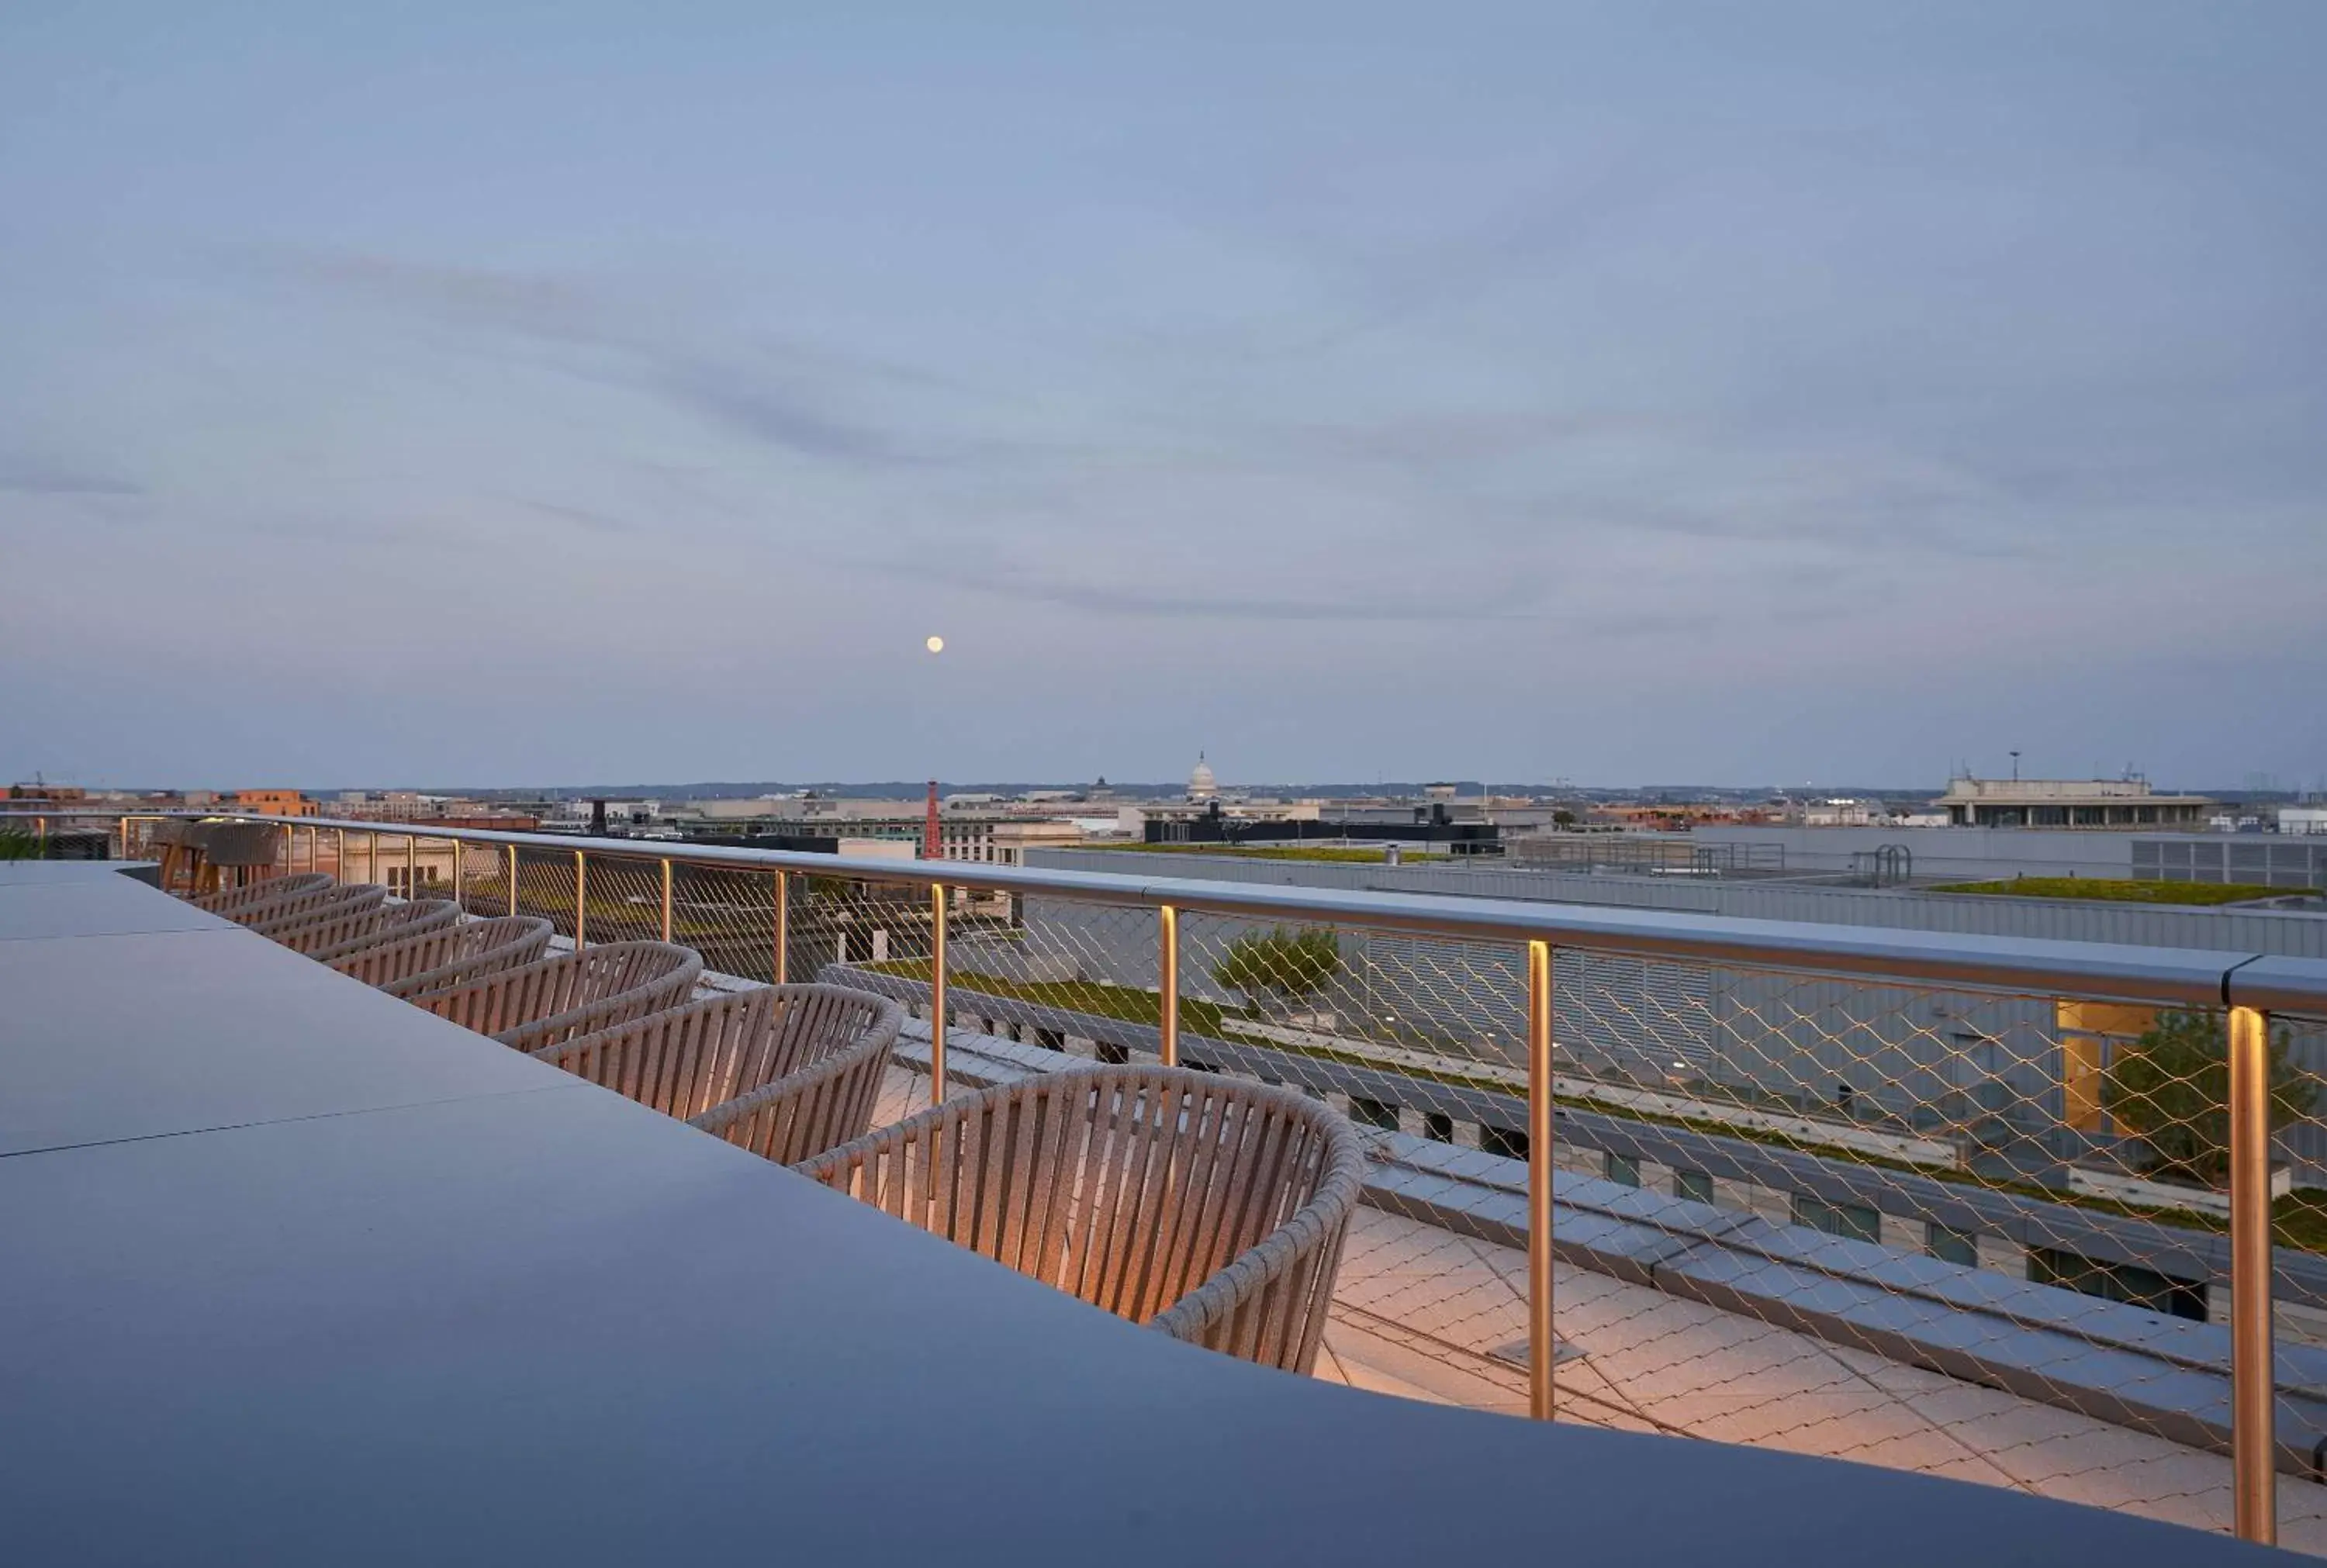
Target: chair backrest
column 285, row 921
column 552, row 1000
column 240, row 903
column 679, row 1062
column 286, row 905
column 786, row 1071
column 1208, row 1208
column 242, row 843
column 177, row 843
column 375, row 927
column 828, row 1049
column 448, row 957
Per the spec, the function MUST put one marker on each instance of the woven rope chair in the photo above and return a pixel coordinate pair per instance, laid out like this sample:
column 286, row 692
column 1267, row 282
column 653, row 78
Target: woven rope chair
column 285, row 921
column 1207, row 1208
column 254, row 901
column 375, row 927
column 453, row 955
column 786, row 1071
column 552, row 1000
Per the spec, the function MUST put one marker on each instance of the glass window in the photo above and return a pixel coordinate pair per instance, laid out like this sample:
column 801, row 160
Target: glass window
column 1693, row 1185
column 2129, row 1283
column 1855, row 1220
column 1951, row 1246
column 1373, row 1113
column 1622, row 1169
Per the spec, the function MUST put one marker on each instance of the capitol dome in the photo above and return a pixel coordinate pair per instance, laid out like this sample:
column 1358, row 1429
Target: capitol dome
column 1201, row 784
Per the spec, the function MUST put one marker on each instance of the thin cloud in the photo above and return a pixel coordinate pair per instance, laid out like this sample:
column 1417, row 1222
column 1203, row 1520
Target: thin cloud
column 37, row 479
column 583, row 518
column 1116, row 599
column 805, row 401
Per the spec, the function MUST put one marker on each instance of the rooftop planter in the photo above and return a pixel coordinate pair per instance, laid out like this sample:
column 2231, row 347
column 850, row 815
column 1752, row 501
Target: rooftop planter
column 2147, row 1192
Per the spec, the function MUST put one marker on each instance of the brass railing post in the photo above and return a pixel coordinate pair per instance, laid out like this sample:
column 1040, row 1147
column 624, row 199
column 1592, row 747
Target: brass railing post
column 666, row 897
column 371, row 858
column 458, row 870
column 290, row 849
column 581, row 896
column 340, row 852
column 2254, row 1458
column 937, row 993
column 1167, row 984
column 512, row 875
column 1542, row 1346
column 411, row 865
column 783, row 928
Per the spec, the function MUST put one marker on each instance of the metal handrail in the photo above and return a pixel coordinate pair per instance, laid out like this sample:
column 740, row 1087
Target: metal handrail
column 2183, row 976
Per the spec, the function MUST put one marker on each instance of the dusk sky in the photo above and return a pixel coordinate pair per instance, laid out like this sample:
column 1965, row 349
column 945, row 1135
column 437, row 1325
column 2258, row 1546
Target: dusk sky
column 605, row 392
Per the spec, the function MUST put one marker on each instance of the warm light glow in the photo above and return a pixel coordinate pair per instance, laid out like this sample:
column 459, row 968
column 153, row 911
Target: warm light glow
column 936, row 645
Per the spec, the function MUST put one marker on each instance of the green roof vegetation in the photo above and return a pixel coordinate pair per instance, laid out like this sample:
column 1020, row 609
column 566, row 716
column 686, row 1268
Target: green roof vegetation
column 2124, row 891
column 1333, row 853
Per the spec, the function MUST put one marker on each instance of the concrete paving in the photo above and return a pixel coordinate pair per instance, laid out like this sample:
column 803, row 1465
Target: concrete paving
column 1421, row 1313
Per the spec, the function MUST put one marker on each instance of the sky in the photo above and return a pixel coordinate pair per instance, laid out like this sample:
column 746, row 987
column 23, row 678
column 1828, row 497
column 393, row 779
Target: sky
column 503, row 395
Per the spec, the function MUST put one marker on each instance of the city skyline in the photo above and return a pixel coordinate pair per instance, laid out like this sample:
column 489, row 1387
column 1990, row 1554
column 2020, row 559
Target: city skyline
column 2255, row 786
column 1531, row 392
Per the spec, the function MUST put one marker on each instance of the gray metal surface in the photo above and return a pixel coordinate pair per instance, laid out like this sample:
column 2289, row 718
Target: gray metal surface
column 96, row 903
column 149, row 1034
column 552, row 1326
column 21, row 872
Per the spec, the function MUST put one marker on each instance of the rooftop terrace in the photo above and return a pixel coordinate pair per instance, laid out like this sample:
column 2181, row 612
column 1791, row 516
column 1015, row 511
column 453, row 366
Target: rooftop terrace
column 314, row 1259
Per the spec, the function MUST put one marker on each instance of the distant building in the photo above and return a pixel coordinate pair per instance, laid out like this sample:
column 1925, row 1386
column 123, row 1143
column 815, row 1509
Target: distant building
column 980, row 828
column 1427, row 826
column 391, row 806
column 2068, row 803
column 275, row 803
column 1201, row 784
column 36, row 794
column 1844, row 811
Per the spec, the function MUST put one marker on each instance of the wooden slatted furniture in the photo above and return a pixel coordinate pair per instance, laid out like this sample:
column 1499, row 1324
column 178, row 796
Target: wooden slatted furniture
column 285, row 921
column 1206, row 1208
column 786, row 1071
column 551, row 999
column 453, row 955
column 177, row 843
column 375, row 928
column 257, row 900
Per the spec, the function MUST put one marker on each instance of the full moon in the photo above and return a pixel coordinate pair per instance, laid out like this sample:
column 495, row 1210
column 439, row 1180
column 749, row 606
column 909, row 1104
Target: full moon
column 935, row 645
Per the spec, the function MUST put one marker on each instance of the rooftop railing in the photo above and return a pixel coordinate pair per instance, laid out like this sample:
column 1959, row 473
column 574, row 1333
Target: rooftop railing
column 2086, row 1175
